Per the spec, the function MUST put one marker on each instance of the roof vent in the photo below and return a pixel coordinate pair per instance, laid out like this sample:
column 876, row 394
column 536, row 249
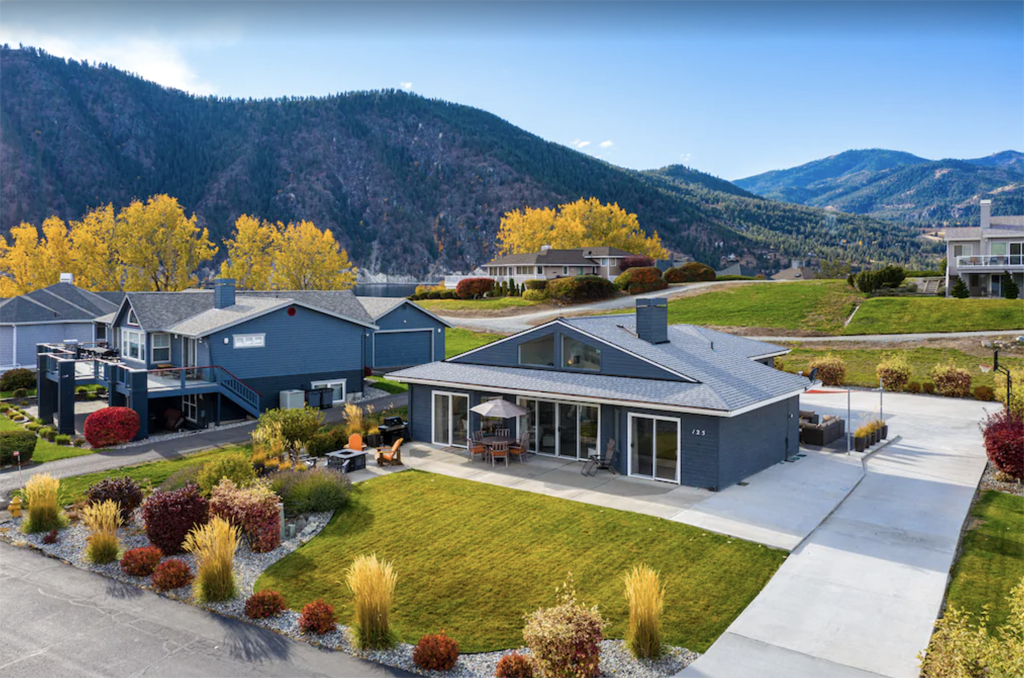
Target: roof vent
column 544, row 248
column 67, row 278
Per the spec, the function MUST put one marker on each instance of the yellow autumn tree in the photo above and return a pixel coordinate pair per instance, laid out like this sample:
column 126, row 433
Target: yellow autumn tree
column 93, row 251
column 159, row 247
column 30, row 262
column 307, row 258
column 585, row 223
column 250, row 253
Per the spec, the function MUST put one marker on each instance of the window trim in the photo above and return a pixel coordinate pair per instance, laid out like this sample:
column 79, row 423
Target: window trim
column 261, row 335
column 131, row 319
column 564, row 361
column 153, row 348
column 126, row 334
column 329, row 383
column 679, row 446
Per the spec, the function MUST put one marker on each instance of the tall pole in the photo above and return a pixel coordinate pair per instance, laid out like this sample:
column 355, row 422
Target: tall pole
column 849, row 420
column 881, row 413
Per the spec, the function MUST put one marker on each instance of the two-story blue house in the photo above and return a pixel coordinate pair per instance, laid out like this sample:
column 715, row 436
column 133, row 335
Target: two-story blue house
column 215, row 355
column 683, row 404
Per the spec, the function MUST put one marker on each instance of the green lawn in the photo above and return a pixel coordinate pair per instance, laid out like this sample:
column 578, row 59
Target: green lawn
column 861, row 363
column 473, row 559
column 992, row 557
column 495, row 304
column 457, row 340
column 813, row 305
column 900, row 315
column 45, row 450
column 388, row 385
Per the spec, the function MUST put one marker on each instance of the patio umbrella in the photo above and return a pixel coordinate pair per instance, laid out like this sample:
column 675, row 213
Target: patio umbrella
column 499, row 408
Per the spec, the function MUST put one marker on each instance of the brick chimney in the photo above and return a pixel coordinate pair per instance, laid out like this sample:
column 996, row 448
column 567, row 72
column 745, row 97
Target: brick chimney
column 223, row 292
column 652, row 320
column 986, row 213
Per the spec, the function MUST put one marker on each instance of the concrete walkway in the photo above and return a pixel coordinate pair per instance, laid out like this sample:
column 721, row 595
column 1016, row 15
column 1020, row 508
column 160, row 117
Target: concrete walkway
column 860, row 596
column 168, row 448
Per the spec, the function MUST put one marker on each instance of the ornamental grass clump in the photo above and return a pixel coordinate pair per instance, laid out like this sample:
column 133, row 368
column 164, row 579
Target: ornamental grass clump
column 102, row 519
column 565, row 639
column 646, row 599
column 41, row 494
column 372, row 582
column 214, row 546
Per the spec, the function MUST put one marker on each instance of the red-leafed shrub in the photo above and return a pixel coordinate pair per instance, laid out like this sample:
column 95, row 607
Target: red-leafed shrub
column 317, row 617
column 436, row 652
column 635, row 261
column 691, row 272
column 123, row 491
column 265, row 603
column 171, row 574
column 142, row 561
column 951, row 381
column 514, row 665
column 170, row 516
column 472, row 288
column 580, row 288
column 984, row 393
column 51, row 536
column 1004, row 442
column 638, row 280
column 111, row 426
column 255, row 510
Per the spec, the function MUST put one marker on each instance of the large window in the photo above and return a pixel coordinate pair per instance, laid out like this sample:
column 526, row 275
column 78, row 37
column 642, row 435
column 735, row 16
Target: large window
column 578, row 355
column 161, row 347
column 540, row 351
column 563, row 429
column 133, row 344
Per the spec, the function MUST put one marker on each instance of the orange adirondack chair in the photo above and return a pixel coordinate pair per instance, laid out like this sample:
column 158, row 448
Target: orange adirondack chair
column 355, row 442
column 392, row 456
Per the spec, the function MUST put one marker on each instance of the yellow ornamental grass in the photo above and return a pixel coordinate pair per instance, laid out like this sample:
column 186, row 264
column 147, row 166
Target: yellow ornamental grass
column 354, row 418
column 42, row 495
column 102, row 519
column 213, row 545
column 646, row 599
column 372, row 582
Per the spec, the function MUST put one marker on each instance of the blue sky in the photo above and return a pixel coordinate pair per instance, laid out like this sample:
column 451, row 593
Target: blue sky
column 729, row 88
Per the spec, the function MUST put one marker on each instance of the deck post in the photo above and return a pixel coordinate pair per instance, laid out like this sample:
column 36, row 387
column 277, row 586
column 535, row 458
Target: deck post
column 46, row 390
column 217, row 416
column 139, row 400
column 66, row 397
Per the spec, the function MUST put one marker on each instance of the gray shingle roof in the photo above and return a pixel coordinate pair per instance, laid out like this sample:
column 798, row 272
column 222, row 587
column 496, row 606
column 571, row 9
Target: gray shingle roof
column 56, row 303
column 337, row 302
column 379, row 306
column 212, row 319
column 544, row 258
column 605, row 252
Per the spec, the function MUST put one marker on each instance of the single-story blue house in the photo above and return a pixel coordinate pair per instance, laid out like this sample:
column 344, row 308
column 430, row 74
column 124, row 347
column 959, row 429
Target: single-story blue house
column 205, row 356
column 683, row 404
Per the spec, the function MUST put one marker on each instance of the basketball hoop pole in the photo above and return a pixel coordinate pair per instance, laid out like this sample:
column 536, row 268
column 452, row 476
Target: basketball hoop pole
column 996, row 367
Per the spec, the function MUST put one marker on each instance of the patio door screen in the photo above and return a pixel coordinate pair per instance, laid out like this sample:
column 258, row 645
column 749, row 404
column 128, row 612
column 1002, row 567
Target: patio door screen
column 654, row 447
column 450, row 419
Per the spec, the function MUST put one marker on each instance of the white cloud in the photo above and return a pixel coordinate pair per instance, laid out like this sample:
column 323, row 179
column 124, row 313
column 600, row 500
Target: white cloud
column 157, row 60
column 685, row 157
column 582, row 144
column 406, row 85
column 606, row 144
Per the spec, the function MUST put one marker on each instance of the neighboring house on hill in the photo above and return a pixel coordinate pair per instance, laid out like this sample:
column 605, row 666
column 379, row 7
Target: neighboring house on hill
column 683, row 404
column 795, row 273
column 982, row 255
column 216, row 355
column 51, row 315
column 736, row 268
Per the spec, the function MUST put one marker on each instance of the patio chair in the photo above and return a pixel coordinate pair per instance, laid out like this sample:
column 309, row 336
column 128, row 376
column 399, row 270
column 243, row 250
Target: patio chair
column 502, row 432
column 518, row 449
column 499, row 451
column 476, row 447
column 355, row 442
column 392, row 457
column 605, row 463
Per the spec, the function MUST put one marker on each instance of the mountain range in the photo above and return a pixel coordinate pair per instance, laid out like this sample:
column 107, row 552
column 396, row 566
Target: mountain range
column 900, row 186
column 410, row 186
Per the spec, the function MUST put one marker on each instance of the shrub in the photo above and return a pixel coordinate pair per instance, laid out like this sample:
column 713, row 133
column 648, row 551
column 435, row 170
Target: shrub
column 959, row 290
column 214, row 545
column 20, row 393
column 18, row 378
column 984, row 393
column 951, row 381
column 514, row 665
column 436, row 652
column 536, row 295
column 320, row 489
column 78, row 442
column 170, row 516
column 646, row 599
column 4, row 407
column 41, row 494
column 317, row 617
column 928, row 387
column 635, row 261
column 51, row 536
column 1016, row 403
column 474, row 288
column 124, row 491
column 1004, row 442
column 62, row 439
column 281, row 432
column 171, row 574
column 894, row 372
column 913, row 387
column 639, row 280
column 265, row 603
column 565, row 639
column 321, row 443
column 32, row 427
column 236, row 467
column 254, row 510
column 111, row 426
column 48, row 433
column 691, row 272
column 1010, row 288
column 831, row 369
column 102, row 520
column 372, row 583
column 580, row 288
column 141, row 562
column 536, row 284
column 20, row 441
column 188, row 475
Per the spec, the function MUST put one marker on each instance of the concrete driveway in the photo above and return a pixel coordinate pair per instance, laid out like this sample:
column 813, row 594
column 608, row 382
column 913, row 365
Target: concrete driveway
column 860, row 596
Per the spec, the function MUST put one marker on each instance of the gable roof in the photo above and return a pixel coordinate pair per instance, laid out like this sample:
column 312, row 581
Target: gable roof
column 378, row 307
column 605, row 252
column 551, row 257
column 801, row 273
column 63, row 302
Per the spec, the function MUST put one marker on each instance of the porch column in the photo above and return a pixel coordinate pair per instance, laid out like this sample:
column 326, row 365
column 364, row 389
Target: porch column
column 138, row 400
column 66, row 397
column 46, row 390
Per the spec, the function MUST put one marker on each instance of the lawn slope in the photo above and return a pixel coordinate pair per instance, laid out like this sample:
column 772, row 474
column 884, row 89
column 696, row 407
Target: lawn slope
column 907, row 315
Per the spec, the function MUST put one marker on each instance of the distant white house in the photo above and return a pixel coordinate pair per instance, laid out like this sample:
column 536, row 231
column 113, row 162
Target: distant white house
column 549, row 263
column 982, row 255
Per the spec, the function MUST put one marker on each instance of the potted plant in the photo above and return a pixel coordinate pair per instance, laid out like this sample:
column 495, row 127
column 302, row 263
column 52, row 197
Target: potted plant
column 373, row 437
column 861, row 437
column 883, row 429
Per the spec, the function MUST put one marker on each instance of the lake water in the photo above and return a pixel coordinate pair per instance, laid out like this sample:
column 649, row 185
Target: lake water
column 387, row 289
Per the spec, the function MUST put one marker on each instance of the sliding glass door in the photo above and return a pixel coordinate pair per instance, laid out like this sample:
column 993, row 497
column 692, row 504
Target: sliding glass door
column 569, row 430
column 654, row 447
column 450, row 419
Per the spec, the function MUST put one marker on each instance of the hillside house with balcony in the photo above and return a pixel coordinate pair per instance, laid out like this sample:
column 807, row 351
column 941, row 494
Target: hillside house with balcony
column 983, row 255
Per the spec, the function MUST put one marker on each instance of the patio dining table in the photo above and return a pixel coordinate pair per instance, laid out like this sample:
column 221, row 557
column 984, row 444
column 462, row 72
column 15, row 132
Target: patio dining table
column 487, row 441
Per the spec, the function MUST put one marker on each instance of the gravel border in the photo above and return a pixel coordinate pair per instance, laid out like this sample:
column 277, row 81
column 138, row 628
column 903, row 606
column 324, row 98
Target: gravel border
column 70, row 548
column 989, row 482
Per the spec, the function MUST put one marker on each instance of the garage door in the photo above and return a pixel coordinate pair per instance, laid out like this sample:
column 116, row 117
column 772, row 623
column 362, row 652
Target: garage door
column 401, row 349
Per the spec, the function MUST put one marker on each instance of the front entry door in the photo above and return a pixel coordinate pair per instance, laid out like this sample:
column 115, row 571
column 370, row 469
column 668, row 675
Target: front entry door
column 654, row 447
column 450, row 419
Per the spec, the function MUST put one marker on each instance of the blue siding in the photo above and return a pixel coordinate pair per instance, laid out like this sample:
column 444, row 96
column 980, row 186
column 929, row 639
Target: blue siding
column 419, row 411
column 399, row 350
column 614, row 362
column 699, row 445
column 20, row 343
column 756, row 440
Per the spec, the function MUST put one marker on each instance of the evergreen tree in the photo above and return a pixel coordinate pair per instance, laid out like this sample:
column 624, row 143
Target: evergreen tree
column 1010, row 288
column 960, row 290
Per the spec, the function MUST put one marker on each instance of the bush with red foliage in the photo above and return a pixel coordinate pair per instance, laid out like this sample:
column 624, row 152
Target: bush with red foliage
column 111, row 426
column 171, row 574
column 635, row 261
column 265, row 603
column 472, row 288
column 637, row 280
column 317, row 617
column 436, row 652
column 514, row 665
column 170, row 516
column 123, row 491
column 142, row 561
column 1004, row 442
column 255, row 510
column 693, row 271
column 50, row 537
